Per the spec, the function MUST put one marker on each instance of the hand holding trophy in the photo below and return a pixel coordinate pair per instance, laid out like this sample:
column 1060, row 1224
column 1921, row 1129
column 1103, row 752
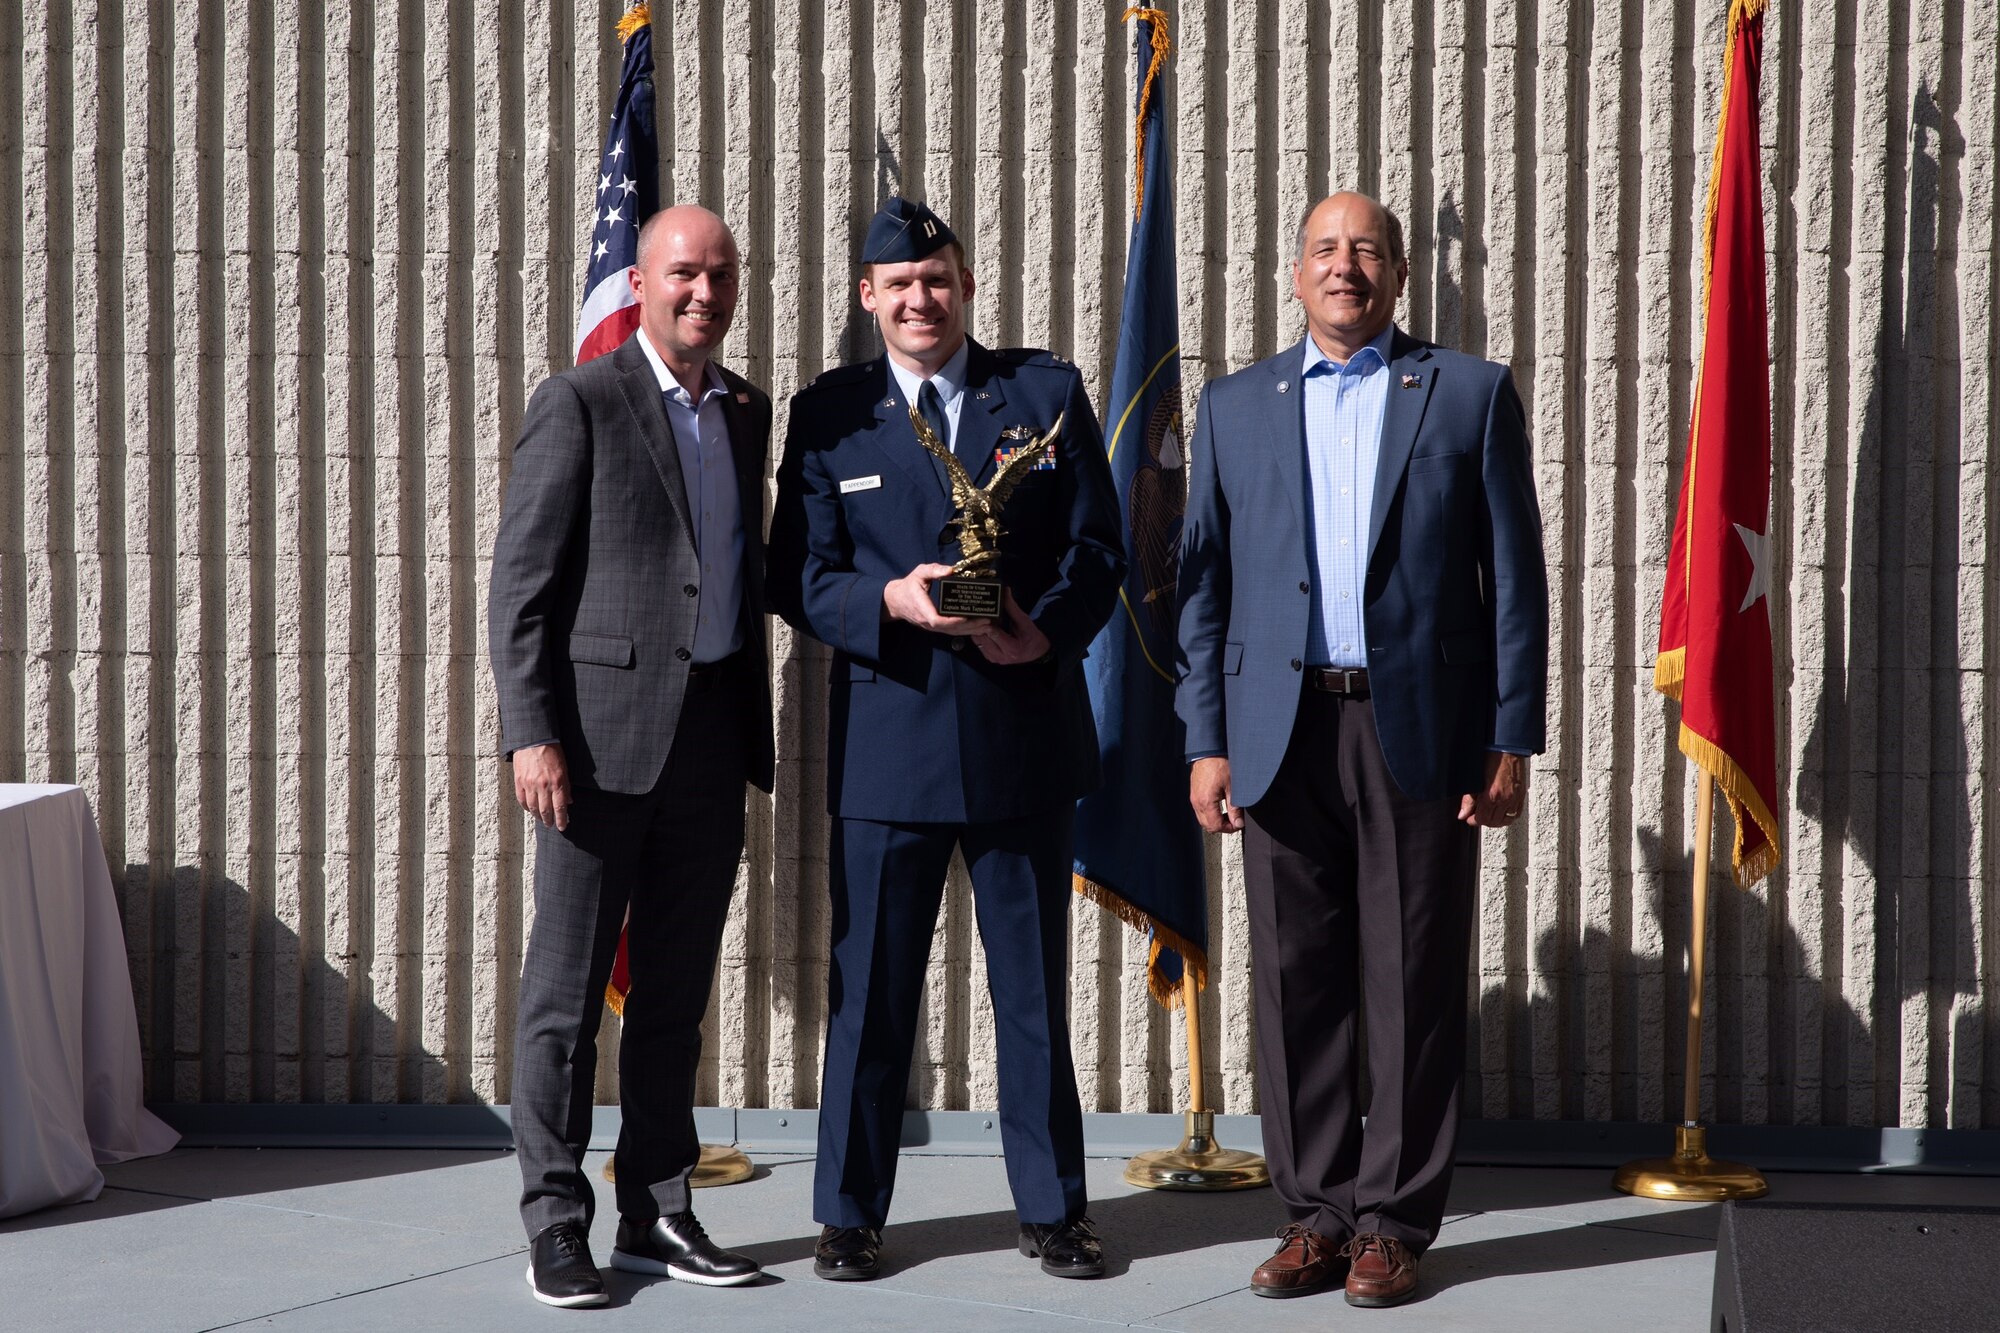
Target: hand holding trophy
column 972, row 589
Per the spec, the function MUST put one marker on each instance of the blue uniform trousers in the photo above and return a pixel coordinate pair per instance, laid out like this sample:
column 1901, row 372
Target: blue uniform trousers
column 887, row 884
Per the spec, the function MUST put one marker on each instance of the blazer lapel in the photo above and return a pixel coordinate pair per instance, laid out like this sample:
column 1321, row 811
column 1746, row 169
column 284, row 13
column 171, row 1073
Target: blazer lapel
column 1412, row 379
column 641, row 389
column 979, row 415
column 1285, row 396
column 744, row 449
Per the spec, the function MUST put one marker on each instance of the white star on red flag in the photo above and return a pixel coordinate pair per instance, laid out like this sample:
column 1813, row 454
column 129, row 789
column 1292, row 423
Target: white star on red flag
column 1758, row 544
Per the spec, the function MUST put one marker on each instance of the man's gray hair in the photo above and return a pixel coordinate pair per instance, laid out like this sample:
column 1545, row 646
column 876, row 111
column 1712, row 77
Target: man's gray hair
column 1305, row 219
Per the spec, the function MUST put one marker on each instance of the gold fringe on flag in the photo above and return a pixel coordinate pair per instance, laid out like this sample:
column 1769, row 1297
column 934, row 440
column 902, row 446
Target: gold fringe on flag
column 1745, row 803
column 1193, row 957
column 1670, row 671
column 1162, row 47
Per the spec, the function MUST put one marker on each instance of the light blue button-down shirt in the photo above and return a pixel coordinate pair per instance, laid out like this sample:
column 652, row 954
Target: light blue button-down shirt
column 1344, row 405
column 950, row 381
column 708, row 473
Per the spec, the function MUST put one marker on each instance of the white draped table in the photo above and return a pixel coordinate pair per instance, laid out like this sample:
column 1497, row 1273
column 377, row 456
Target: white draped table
column 71, row 1094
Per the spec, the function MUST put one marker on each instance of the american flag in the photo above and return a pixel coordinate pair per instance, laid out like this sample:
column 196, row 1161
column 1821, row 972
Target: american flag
column 628, row 190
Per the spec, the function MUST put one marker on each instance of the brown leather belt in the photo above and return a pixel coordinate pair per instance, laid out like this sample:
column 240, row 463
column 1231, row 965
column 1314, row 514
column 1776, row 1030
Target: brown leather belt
column 1339, row 680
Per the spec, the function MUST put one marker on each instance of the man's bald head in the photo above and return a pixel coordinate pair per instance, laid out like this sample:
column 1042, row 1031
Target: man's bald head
column 1392, row 226
column 1349, row 272
column 690, row 220
column 685, row 279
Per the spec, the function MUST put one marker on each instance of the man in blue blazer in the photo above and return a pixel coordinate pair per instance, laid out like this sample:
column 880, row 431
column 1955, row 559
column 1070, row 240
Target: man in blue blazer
column 1363, row 663
column 946, row 732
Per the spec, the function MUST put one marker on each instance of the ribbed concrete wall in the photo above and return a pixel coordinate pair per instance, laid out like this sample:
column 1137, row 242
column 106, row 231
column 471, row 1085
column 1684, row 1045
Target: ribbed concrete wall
column 278, row 279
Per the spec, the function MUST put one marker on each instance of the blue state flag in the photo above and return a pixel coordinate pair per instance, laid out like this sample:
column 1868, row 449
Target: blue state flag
column 1138, row 848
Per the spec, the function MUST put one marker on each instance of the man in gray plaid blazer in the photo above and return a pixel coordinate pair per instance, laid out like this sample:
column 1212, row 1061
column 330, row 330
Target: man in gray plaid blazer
column 628, row 643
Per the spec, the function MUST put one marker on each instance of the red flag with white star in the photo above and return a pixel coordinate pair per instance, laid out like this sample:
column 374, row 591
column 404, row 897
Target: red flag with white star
column 1715, row 617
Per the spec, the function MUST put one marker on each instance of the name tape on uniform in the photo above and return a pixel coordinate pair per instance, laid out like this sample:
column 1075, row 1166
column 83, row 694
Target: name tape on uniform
column 873, row 483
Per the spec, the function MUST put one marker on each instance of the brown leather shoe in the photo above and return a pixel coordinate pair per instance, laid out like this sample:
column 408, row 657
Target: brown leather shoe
column 1382, row 1272
column 1305, row 1262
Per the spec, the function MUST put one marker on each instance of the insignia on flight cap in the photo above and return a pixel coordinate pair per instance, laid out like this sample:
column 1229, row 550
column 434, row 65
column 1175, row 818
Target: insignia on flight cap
column 904, row 231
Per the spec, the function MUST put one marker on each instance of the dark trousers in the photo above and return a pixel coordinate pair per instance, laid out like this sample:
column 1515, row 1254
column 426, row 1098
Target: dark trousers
column 1359, row 899
column 671, row 855
column 887, row 883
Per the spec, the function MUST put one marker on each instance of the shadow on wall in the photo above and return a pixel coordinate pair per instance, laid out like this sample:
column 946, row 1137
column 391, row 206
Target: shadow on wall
column 240, row 1009
column 1638, row 1004
column 1884, row 768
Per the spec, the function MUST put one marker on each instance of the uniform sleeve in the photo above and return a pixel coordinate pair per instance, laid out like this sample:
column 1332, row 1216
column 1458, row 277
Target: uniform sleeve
column 811, row 578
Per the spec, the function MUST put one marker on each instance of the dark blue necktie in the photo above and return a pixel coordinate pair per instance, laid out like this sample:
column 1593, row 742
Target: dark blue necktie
column 931, row 408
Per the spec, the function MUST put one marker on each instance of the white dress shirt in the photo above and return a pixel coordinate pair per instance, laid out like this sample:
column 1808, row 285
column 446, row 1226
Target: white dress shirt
column 950, row 382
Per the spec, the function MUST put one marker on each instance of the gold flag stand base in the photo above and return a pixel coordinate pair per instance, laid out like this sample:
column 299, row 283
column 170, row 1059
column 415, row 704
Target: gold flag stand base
column 1690, row 1175
column 720, row 1165
column 1198, row 1164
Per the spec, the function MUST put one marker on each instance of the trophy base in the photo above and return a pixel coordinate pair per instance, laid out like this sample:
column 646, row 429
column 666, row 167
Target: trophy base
column 972, row 598
column 720, row 1164
column 1197, row 1165
column 1690, row 1175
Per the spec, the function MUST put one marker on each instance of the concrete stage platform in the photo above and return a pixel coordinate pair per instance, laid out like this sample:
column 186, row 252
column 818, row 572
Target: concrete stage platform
column 362, row 1238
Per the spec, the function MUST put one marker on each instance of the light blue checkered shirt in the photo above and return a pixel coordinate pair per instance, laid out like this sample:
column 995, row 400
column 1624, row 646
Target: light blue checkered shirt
column 708, row 473
column 1344, row 405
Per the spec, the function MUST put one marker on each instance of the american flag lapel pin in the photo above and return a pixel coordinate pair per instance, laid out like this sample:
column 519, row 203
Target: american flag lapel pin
column 742, row 397
column 1412, row 382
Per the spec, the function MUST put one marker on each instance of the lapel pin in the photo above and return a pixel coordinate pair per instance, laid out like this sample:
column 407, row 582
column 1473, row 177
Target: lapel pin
column 1412, row 382
column 742, row 397
column 1284, row 386
column 983, row 395
column 889, row 402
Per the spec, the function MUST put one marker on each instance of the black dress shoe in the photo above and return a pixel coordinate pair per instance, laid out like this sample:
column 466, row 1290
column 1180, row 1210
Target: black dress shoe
column 678, row 1248
column 848, row 1254
column 1069, row 1250
column 560, row 1269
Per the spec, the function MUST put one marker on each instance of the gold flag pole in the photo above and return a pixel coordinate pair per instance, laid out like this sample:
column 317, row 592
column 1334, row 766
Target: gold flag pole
column 1691, row 1175
column 1198, row 1164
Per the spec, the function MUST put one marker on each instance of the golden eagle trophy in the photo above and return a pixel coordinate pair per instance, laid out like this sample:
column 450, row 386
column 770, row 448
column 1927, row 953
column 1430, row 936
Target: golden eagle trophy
column 972, row 589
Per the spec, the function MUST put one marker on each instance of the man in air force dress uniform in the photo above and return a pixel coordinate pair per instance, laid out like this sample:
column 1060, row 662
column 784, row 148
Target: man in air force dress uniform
column 946, row 732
